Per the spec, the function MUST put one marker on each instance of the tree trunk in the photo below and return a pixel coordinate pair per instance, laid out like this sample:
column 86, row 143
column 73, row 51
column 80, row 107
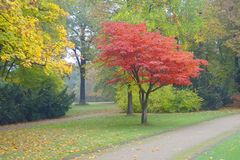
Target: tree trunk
column 144, row 113
column 82, row 82
column 144, row 104
column 81, row 62
column 130, row 106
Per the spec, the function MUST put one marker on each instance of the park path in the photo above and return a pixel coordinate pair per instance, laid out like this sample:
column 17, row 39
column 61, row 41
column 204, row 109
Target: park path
column 167, row 145
column 59, row 120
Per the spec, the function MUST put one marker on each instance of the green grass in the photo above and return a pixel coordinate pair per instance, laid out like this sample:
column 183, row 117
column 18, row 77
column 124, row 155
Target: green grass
column 227, row 150
column 56, row 141
column 90, row 108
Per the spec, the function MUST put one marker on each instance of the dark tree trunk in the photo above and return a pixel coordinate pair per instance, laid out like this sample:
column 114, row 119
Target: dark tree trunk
column 144, row 113
column 130, row 105
column 81, row 64
column 82, row 82
column 144, row 104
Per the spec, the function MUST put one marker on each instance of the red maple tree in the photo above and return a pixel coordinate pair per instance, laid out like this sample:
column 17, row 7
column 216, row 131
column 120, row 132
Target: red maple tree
column 150, row 59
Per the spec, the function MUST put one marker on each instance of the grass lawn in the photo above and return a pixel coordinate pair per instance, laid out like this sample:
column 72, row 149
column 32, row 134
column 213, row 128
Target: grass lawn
column 227, row 150
column 90, row 108
column 56, row 141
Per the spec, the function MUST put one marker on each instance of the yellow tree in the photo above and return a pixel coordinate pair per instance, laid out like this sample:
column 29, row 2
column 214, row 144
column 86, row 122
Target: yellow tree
column 32, row 33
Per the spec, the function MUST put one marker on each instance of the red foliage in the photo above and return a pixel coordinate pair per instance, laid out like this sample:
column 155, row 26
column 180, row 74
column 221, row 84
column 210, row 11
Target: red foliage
column 148, row 57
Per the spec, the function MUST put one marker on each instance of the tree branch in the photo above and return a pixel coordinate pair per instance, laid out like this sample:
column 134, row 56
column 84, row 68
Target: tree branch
column 76, row 56
column 9, row 69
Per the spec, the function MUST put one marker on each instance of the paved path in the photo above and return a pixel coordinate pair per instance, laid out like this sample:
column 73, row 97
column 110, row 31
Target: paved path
column 169, row 144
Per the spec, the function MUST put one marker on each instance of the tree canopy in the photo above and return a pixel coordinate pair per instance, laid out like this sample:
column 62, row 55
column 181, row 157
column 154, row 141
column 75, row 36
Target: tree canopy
column 148, row 57
column 32, row 33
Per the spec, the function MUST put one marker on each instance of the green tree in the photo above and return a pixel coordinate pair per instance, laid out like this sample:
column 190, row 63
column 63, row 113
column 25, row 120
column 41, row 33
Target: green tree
column 187, row 21
column 229, row 14
column 83, row 24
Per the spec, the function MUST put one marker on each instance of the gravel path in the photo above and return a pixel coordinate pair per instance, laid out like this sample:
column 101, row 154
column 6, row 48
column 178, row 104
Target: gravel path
column 168, row 145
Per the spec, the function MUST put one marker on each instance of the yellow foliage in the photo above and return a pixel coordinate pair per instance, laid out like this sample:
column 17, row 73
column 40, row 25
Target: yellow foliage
column 31, row 33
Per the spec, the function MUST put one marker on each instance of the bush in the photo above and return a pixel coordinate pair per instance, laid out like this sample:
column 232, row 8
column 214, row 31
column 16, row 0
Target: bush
column 215, row 95
column 18, row 104
column 167, row 99
column 11, row 98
